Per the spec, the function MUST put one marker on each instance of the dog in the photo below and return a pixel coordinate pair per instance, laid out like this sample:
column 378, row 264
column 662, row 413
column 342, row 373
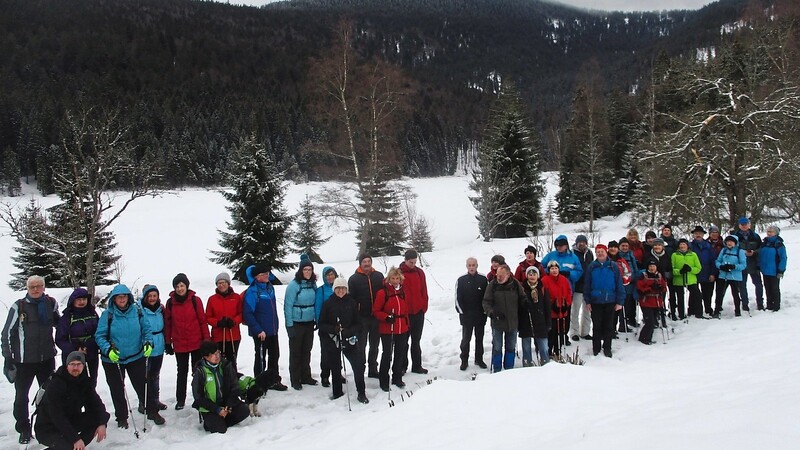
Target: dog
column 253, row 389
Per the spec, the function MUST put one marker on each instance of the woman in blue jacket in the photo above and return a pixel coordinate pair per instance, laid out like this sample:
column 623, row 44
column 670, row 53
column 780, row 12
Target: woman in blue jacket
column 772, row 261
column 299, row 309
column 125, row 341
column 731, row 262
column 260, row 314
column 153, row 313
column 324, row 292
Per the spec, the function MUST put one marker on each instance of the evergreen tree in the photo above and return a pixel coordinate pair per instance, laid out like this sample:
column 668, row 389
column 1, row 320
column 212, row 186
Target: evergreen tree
column 11, row 174
column 30, row 259
column 44, row 169
column 307, row 237
column 380, row 223
column 420, row 236
column 508, row 183
column 259, row 224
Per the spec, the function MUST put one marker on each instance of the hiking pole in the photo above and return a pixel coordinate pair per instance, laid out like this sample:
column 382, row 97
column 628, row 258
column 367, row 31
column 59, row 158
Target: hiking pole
column 624, row 321
column 344, row 365
column 146, row 382
column 127, row 402
column 391, row 352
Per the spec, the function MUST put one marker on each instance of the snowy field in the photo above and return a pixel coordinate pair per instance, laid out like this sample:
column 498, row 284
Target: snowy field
column 729, row 383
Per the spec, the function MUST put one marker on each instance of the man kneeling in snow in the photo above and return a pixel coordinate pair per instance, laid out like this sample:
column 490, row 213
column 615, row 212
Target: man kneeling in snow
column 215, row 386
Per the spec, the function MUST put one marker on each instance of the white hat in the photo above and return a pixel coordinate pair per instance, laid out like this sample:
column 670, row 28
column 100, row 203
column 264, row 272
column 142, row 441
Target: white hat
column 339, row 282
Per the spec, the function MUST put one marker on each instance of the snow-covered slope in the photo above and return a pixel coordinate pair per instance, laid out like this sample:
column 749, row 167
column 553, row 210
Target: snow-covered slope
column 727, row 383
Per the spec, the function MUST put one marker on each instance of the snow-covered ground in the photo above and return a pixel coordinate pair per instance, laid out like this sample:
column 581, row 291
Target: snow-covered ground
column 729, row 383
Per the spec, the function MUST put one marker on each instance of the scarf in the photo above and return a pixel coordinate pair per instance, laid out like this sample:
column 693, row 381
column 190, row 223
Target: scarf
column 534, row 292
column 42, row 310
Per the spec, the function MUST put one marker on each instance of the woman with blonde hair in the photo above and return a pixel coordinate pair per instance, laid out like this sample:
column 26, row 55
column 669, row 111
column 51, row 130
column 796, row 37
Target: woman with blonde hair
column 391, row 310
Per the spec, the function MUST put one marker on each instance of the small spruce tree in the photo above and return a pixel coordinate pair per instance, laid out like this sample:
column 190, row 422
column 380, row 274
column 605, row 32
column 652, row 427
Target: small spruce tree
column 307, row 237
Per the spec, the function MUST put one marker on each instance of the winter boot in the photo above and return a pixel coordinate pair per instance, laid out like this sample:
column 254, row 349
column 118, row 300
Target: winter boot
column 122, row 423
column 362, row 398
column 384, row 381
column 497, row 363
column 156, row 418
column 480, row 364
column 25, row 437
column 464, row 365
column 398, row 382
column 326, row 383
column 508, row 361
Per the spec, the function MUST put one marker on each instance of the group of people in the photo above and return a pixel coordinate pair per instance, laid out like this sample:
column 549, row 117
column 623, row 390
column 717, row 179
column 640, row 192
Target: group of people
column 574, row 294
column 132, row 336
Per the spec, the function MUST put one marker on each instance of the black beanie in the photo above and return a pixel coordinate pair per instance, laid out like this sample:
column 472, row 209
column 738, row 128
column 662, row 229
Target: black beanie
column 207, row 348
column 261, row 268
column 180, row 278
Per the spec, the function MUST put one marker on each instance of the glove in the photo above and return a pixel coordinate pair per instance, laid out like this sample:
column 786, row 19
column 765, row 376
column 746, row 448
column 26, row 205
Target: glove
column 113, row 355
column 147, row 349
column 390, row 318
column 656, row 285
column 10, row 370
column 565, row 273
column 168, row 349
column 337, row 328
column 565, row 308
column 726, row 267
column 290, row 332
column 499, row 316
column 229, row 322
column 686, row 268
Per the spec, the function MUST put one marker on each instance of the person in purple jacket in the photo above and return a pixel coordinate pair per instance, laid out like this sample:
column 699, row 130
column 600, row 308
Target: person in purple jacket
column 75, row 331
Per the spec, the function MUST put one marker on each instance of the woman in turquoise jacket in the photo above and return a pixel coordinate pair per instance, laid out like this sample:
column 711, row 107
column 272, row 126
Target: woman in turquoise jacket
column 299, row 308
column 154, row 315
column 324, row 292
column 772, row 261
column 125, row 341
column 731, row 262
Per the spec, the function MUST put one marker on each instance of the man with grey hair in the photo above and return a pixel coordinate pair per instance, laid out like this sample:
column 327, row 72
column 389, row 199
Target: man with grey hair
column 28, row 347
column 470, row 289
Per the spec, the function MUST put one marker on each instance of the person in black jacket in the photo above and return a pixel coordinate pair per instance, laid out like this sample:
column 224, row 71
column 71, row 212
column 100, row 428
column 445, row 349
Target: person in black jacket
column 535, row 319
column 71, row 414
column 339, row 326
column 363, row 286
column 580, row 317
column 28, row 347
column 470, row 289
column 215, row 386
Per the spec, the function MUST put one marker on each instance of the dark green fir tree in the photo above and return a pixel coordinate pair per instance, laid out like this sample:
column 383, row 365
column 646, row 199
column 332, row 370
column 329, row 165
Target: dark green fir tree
column 307, row 237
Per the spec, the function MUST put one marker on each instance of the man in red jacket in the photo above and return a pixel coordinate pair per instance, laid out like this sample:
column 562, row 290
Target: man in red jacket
column 416, row 290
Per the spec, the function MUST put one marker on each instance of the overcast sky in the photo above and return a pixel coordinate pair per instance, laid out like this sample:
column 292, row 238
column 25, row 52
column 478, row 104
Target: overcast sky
column 617, row 5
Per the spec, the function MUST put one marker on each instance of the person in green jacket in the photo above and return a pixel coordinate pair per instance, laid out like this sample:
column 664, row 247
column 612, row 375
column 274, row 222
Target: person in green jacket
column 685, row 267
column 216, row 390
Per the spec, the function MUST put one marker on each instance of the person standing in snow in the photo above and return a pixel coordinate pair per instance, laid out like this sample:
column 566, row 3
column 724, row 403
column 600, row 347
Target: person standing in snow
column 651, row 287
column 707, row 275
column 731, row 262
column 627, row 276
column 75, row 331
column 339, row 328
column 185, row 328
column 772, row 261
column 260, row 313
column 569, row 265
column 605, row 295
column 153, row 312
column 28, row 348
column 631, row 295
column 469, row 305
column 416, row 289
column 750, row 242
column 216, row 391
column 636, row 246
column 299, row 309
column 685, row 267
column 530, row 260
column 534, row 318
column 324, row 292
column 494, row 263
column 391, row 310
column 669, row 239
column 558, row 289
column 503, row 298
column 126, row 342
column 224, row 314
column 363, row 286
column 580, row 318
column 717, row 244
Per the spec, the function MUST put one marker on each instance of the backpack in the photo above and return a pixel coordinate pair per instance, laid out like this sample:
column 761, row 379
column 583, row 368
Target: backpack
column 111, row 316
column 38, row 398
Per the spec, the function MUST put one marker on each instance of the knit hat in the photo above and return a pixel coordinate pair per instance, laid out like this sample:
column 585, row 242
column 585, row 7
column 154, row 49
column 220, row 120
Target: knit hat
column 743, row 220
column 207, row 348
column 600, row 247
column 79, row 293
column 363, row 256
column 260, row 268
column 531, row 269
column 581, row 238
column 659, row 241
column 652, row 262
column 499, row 259
column 650, row 234
column 699, row 229
column 774, row 228
column 614, row 244
column 667, row 226
column 713, row 229
column 624, row 240
column 410, row 254
column 683, row 241
column 76, row 356
column 339, row 283
column 180, row 278
column 553, row 263
column 731, row 238
column 531, row 249
column 223, row 276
